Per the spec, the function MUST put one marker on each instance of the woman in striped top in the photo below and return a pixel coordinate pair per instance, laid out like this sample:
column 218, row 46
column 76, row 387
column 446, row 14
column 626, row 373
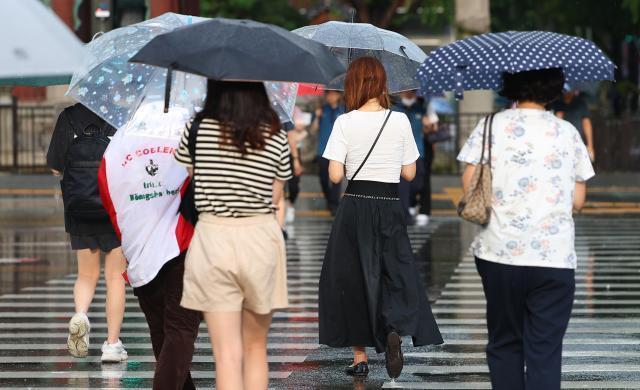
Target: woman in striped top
column 235, row 270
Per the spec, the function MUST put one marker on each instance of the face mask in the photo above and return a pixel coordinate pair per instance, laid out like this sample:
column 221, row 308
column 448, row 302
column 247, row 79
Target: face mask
column 408, row 102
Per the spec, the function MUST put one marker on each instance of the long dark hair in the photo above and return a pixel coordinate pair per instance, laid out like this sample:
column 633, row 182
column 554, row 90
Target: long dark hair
column 243, row 110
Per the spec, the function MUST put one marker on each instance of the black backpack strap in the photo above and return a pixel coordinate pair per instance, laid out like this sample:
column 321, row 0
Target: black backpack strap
column 372, row 146
column 193, row 130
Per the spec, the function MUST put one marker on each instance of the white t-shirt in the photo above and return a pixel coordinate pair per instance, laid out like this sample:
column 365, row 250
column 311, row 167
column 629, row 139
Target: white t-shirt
column 353, row 134
column 536, row 161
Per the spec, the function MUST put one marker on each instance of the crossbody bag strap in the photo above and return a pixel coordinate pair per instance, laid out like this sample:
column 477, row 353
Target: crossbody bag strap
column 372, row 146
column 193, row 130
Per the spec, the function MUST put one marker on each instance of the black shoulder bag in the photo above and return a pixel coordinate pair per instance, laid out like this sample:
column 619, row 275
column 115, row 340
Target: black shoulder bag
column 372, row 146
column 188, row 204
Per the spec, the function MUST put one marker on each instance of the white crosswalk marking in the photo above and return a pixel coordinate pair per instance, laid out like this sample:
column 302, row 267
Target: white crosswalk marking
column 602, row 348
column 601, row 342
column 33, row 325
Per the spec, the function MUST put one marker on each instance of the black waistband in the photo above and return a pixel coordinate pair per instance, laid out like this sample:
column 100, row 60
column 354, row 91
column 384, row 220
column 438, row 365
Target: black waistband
column 372, row 188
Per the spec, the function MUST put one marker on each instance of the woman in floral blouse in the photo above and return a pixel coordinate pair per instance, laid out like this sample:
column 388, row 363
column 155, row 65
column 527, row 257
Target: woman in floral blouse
column 526, row 255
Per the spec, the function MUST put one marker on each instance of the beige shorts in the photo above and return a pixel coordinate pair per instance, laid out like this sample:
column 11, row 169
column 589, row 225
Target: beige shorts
column 234, row 264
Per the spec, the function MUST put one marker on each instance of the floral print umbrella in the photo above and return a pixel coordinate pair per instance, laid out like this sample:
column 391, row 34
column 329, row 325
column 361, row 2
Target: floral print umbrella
column 114, row 88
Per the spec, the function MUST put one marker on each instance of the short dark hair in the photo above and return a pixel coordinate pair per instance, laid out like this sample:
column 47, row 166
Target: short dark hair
column 540, row 86
column 243, row 109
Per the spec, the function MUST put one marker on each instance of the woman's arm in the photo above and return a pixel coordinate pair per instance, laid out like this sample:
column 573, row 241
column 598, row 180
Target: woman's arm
column 588, row 134
column 466, row 177
column 336, row 171
column 277, row 191
column 408, row 172
column 579, row 195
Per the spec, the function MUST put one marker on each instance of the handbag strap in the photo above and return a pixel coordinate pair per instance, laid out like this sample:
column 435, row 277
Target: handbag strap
column 193, row 130
column 488, row 127
column 372, row 146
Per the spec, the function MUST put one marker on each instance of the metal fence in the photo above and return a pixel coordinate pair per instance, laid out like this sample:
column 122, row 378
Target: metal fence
column 459, row 128
column 25, row 132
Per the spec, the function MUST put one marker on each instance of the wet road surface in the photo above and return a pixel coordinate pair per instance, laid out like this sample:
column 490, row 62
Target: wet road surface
column 602, row 346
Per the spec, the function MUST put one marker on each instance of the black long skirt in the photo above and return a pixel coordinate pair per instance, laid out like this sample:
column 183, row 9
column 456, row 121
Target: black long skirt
column 369, row 283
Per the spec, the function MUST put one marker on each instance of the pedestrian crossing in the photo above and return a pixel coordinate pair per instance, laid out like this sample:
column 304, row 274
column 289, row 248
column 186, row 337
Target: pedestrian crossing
column 33, row 327
column 602, row 346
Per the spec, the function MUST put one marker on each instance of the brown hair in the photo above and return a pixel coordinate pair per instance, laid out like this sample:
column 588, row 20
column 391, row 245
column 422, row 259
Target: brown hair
column 243, row 110
column 366, row 79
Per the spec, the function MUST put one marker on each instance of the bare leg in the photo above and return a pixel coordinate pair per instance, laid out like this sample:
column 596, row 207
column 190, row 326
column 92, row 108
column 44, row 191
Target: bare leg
column 225, row 331
column 359, row 355
column 114, row 265
column 255, row 329
column 88, row 275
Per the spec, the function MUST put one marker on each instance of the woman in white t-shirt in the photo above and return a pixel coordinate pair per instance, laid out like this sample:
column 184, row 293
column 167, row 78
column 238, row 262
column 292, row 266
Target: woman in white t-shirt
column 526, row 254
column 370, row 290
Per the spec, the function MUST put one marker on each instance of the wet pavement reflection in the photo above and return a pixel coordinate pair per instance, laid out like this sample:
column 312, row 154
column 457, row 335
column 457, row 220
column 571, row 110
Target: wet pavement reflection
column 602, row 347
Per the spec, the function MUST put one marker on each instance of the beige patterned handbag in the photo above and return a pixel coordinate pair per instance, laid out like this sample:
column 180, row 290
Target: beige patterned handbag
column 475, row 205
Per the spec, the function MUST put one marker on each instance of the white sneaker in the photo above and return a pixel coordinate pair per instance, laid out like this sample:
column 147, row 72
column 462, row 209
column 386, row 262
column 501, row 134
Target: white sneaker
column 291, row 215
column 78, row 340
column 422, row 220
column 113, row 353
column 412, row 212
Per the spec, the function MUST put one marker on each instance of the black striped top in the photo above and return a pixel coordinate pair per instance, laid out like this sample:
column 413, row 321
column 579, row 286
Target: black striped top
column 228, row 184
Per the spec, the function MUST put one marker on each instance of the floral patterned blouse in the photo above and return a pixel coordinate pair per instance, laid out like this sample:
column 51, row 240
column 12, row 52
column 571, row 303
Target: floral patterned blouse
column 536, row 160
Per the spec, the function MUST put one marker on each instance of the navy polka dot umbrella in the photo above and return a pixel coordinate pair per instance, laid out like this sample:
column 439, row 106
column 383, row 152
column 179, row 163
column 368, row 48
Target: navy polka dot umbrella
column 479, row 61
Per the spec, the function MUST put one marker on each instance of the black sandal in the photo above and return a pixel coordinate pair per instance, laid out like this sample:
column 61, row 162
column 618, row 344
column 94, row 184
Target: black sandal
column 393, row 355
column 360, row 369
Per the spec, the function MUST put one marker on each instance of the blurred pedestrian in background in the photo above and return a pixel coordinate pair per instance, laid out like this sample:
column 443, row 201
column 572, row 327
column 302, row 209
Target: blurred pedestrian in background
column 322, row 124
column 286, row 205
column 416, row 195
column 296, row 138
column 77, row 145
column 526, row 256
column 573, row 108
column 370, row 290
column 235, row 270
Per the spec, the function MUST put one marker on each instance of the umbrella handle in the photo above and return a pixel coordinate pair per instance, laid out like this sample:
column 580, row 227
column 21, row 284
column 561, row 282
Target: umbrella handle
column 167, row 88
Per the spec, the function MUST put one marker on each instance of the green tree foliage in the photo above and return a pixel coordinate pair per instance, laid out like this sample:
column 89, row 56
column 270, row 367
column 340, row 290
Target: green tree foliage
column 278, row 12
column 605, row 21
column 394, row 14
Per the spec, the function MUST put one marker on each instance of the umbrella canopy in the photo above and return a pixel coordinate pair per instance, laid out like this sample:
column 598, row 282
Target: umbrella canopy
column 115, row 88
column 479, row 61
column 241, row 50
column 348, row 41
column 37, row 47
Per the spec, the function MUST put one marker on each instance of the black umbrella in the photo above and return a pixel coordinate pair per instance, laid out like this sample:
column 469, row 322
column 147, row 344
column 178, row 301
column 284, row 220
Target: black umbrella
column 242, row 50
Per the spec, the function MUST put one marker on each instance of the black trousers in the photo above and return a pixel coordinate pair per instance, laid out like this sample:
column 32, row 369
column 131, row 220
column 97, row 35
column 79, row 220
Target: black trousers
column 173, row 329
column 425, row 194
column 528, row 310
column 331, row 191
column 293, row 185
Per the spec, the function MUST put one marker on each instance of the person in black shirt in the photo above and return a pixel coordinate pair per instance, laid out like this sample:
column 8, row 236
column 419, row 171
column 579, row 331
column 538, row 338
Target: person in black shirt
column 573, row 108
column 89, row 239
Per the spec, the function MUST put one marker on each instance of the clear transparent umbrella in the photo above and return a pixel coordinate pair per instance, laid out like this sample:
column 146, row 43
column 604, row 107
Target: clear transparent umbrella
column 115, row 88
column 348, row 41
